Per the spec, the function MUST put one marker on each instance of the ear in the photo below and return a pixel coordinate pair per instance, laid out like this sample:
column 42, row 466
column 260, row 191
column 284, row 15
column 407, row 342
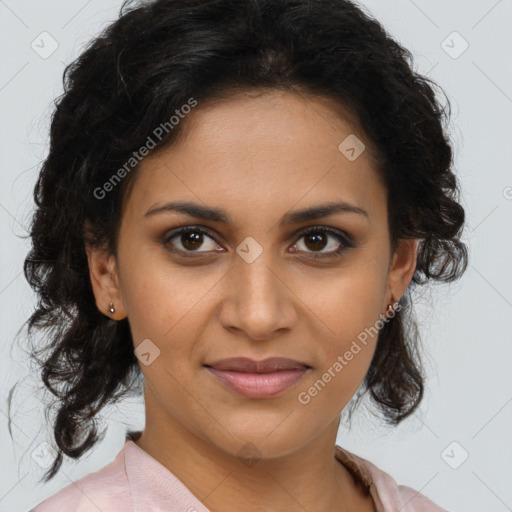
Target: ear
column 402, row 268
column 105, row 281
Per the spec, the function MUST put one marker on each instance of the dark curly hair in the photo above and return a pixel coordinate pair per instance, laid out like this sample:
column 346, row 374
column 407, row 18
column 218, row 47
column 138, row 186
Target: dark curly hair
column 132, row 78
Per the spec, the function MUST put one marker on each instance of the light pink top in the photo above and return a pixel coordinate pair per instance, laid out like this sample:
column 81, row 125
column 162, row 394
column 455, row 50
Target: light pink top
column 137, row 482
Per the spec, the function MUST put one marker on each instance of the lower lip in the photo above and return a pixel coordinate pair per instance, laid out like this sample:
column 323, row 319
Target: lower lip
column 258, row 385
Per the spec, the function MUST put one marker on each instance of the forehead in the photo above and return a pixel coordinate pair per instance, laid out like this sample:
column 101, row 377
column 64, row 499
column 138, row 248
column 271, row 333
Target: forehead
column 262, row 151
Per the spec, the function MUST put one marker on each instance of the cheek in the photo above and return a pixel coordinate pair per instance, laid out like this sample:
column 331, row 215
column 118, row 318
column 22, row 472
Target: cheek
column 345, row 360
column 346, row 303
column 348, row 309
column 157, row 295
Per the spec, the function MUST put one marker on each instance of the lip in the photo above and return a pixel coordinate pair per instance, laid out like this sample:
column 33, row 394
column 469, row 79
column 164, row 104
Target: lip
column 258, row 379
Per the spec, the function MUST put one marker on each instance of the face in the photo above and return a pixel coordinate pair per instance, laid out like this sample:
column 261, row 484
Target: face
column 258, row 280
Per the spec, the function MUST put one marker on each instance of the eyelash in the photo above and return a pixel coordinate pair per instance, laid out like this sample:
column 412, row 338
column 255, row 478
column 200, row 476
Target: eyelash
column 344, row 240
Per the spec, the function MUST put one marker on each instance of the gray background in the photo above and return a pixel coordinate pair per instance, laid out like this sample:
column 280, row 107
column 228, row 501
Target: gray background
column 464, row 327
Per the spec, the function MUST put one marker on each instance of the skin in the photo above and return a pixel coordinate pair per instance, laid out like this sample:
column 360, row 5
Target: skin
column 259, row 157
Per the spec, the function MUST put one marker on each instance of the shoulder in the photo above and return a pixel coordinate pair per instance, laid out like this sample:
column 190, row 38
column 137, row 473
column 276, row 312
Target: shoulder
column 388, row 495
column 105, row 490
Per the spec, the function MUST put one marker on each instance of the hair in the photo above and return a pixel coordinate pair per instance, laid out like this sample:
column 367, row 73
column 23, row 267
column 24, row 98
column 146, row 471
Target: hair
column 131, row 79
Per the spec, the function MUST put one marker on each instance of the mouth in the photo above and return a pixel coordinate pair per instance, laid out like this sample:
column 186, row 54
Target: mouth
column 258, row 379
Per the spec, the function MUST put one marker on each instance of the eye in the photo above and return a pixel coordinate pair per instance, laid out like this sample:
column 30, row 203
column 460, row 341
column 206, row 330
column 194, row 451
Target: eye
column 191, row 239
column 317, row 239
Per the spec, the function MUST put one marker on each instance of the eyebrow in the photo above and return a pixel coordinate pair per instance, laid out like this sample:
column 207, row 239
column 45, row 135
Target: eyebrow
column 218, row 215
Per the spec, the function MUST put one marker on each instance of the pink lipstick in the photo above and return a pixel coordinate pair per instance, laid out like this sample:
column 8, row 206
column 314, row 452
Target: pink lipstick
column 258, row 379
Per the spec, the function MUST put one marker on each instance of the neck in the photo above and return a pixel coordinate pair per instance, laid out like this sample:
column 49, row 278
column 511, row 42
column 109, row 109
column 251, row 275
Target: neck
column 311, row 478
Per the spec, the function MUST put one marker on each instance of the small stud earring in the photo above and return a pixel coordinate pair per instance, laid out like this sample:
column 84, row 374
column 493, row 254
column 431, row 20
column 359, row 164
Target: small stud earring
column 391, row 307
column 111, row 308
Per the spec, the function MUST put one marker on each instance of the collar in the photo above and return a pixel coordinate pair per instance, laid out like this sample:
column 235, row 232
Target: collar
column 155, row 488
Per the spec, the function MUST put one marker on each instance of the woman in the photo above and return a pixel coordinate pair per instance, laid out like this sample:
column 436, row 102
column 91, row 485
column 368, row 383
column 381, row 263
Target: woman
column 238, row 200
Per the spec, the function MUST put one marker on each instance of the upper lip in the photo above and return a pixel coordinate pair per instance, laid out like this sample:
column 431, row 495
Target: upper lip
column 247, row 365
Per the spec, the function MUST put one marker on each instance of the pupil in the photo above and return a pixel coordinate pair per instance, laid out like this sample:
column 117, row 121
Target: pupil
column 319, row 241
column 191, row 240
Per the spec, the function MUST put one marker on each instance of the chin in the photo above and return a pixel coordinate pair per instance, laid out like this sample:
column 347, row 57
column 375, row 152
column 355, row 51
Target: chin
column 263, row 440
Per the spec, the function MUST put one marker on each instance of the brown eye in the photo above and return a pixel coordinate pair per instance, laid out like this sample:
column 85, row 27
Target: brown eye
column 317, row 239
column 316, row 242
column 190, row 239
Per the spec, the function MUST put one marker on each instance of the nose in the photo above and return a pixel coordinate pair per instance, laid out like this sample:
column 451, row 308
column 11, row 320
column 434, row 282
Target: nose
column 258, row 301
